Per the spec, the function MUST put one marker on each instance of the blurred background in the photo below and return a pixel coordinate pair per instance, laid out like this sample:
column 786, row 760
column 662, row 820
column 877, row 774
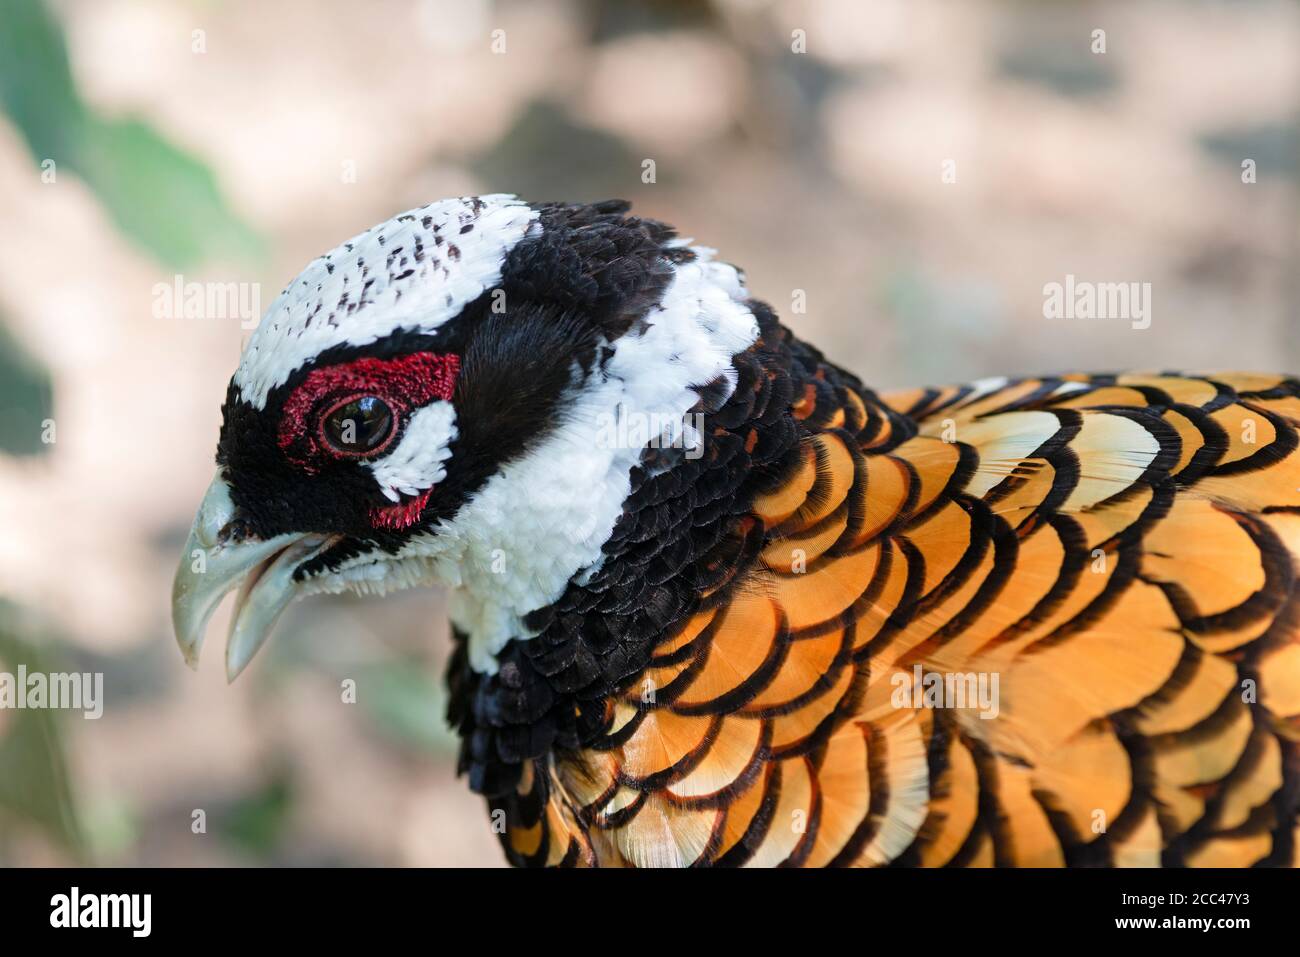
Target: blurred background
column 913, row 170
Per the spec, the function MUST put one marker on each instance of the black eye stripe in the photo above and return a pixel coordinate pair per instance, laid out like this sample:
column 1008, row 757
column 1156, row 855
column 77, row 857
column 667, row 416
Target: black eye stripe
column 360, row 425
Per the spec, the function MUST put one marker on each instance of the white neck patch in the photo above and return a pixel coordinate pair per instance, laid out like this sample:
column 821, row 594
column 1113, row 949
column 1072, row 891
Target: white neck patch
column 516, row 544
column 415, row 271
column 417, row 462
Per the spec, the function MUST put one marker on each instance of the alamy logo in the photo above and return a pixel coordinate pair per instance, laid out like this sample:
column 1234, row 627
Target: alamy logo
column 179, row 299
column 961, row 690
column 1076, row 299
column 638, row 430
column 133, row 911
column 56, row 691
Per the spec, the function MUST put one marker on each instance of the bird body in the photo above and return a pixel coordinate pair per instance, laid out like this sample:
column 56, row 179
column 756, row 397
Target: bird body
column 715, row 602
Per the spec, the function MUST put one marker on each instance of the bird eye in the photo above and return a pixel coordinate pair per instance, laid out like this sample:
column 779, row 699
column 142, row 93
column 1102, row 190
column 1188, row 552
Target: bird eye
column 358, row 426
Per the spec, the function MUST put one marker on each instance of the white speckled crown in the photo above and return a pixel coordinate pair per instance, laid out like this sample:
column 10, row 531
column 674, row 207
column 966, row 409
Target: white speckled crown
column 415, row 271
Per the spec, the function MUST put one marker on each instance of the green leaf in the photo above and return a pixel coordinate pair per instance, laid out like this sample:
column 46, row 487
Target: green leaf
column 35, row 784
column 26, row 398
column 163, row 199
column 257, row 821
column 36, row 86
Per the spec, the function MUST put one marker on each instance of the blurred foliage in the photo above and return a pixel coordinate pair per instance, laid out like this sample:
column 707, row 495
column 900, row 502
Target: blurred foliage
column 407, row 704
column 163, row 199
column 35, row 786
column 941, row 315
column 547, row 155
column 1076, row 72
column 256, row 823
column 167, row 203
column 1275, row 147
column 615, row 18
column 26, row 398
column 110, row 826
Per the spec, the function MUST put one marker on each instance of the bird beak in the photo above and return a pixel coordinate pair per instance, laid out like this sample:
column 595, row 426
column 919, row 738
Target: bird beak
column 215, row 561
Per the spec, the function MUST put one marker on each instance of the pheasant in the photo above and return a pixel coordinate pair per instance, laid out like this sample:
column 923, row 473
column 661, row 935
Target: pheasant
column 715, row 602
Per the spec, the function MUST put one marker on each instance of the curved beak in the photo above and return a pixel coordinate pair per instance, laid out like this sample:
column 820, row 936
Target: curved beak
column 216, row 560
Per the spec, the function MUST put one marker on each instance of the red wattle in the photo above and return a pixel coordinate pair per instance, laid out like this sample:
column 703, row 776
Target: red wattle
column 400, row 515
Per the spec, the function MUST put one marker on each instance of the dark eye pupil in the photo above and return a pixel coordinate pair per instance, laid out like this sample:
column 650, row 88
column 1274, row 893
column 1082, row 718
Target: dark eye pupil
column 359, row 425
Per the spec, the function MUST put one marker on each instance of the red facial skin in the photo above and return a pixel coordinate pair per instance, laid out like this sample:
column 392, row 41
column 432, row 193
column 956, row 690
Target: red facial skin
column 400, row 515
column 404, row 384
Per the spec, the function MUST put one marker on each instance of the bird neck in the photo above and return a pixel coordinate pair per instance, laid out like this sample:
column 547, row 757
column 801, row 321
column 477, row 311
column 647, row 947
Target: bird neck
column 543, row 522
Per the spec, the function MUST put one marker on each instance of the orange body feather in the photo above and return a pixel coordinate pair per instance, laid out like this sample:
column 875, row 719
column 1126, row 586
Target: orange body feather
column 1093, row 579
